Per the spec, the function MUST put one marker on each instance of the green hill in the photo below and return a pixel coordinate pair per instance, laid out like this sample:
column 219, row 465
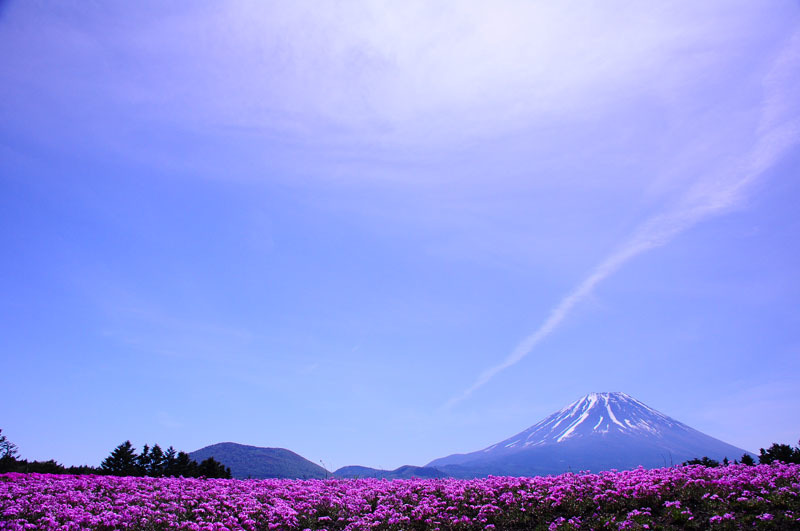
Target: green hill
column 257, row 462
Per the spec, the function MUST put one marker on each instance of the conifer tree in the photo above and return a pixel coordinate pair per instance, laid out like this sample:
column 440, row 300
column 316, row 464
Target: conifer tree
column 169, row 461
column 123, row 461
column 143, row 461
column 705, row 461
column 8, row 450
column 185, row 466
column 156, row 468
column 8, row 454
column 211, row 468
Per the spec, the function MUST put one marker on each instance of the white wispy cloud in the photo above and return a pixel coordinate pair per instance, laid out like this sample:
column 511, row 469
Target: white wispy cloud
column 409, row 73
column 726, row 187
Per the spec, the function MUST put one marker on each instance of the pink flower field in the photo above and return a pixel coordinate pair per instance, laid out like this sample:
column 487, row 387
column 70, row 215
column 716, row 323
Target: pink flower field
column 690, row 497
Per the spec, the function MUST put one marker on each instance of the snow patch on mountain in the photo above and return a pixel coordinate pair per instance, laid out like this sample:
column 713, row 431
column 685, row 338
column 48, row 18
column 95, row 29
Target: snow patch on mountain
column 595, row 413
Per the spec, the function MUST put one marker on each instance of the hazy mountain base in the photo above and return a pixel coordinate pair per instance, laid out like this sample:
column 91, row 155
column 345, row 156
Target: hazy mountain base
column 403, row 472
column 595, row 455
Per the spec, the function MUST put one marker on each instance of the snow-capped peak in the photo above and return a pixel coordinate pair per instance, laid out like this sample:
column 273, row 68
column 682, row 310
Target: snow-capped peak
column 598, row 431
column 593, row 415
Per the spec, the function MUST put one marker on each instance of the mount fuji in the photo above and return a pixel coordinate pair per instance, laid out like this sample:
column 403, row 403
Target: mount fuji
column 599, row 431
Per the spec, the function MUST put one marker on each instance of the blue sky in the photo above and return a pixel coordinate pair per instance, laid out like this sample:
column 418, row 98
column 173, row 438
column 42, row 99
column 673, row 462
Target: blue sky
column 379, row 233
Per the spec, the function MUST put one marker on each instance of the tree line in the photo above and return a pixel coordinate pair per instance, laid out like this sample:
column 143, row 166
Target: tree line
column 122, row 461
column 777, row 452
column 155, row 462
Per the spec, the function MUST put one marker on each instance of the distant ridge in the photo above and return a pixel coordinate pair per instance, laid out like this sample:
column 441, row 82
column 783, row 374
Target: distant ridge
column 260, row 463
column 599, row 431
column 403, row 472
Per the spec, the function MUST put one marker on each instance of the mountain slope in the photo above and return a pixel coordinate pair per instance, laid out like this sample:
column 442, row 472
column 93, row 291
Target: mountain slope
column 599, row 431
column 257, row 462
